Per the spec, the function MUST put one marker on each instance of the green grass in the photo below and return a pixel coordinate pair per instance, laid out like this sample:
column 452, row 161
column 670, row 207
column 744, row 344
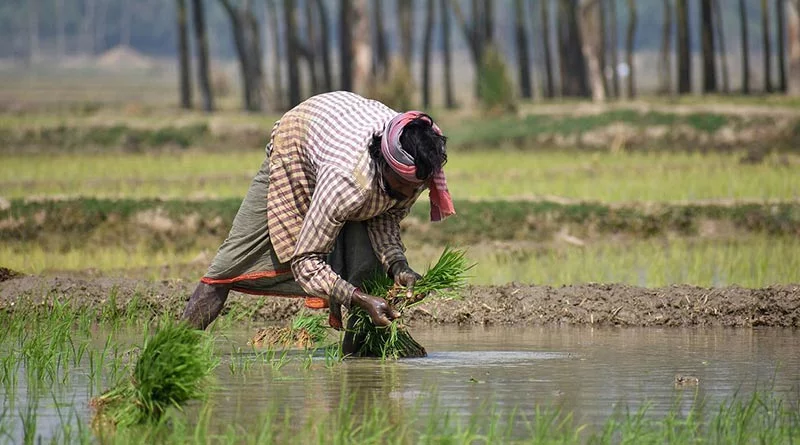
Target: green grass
column 755, row 261
column 485, row 174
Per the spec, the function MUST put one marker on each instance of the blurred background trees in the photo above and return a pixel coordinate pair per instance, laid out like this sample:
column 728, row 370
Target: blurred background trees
column 423, row 53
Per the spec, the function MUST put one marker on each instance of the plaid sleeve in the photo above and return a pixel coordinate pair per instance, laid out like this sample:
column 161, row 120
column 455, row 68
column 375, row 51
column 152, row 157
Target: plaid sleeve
column 384, row 233
column 336, row 197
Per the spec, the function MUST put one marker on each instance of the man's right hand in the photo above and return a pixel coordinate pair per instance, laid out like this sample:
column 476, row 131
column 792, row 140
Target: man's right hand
column 381, row 312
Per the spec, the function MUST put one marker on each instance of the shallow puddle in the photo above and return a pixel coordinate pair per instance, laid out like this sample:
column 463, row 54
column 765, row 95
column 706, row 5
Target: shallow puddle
column 591, row 373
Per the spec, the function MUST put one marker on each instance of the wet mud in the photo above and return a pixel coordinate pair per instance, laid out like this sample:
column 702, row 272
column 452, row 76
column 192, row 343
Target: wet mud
column 510, row 304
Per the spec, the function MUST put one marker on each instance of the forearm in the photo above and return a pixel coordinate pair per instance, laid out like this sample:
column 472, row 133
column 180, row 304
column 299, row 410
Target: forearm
column 317, row 278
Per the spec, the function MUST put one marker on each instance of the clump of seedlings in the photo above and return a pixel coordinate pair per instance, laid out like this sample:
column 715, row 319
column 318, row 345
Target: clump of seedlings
column 174, row 367
column 305, row 331
column 394, row 341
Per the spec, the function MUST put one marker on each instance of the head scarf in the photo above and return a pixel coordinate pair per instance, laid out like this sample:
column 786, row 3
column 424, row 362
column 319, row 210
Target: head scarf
column 403, row 163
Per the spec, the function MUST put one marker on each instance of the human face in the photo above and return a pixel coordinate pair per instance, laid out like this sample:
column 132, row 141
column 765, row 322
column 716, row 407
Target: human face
column 398, row 188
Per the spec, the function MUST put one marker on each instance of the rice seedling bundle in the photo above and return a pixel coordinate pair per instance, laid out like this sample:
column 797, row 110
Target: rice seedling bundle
column 443, row 279
column 174, row 367
column 305, row 331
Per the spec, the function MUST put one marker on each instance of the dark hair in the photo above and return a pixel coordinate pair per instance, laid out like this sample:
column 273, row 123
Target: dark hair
column 426, row 146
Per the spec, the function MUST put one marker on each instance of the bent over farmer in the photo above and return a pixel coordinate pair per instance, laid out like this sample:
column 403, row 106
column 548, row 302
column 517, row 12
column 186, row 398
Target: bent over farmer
column 324, row 210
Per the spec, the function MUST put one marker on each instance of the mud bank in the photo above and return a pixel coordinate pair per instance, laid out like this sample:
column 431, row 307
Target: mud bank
column 511, row 304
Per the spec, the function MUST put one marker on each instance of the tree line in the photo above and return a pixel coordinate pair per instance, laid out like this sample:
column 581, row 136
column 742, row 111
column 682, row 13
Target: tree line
column 580, row 48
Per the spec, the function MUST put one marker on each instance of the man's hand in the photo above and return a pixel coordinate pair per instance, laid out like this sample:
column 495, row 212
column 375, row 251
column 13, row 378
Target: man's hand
column 381, row 312
column 404, row 276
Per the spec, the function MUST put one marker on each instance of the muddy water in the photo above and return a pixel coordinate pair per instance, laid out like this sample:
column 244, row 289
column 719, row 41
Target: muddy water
column 589, row 372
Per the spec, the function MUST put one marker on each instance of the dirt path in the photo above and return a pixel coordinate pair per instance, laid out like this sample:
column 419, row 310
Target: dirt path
column 585, row 304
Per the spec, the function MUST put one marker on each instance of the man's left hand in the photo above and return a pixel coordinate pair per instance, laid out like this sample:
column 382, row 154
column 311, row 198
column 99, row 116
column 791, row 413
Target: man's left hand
column 405, row 276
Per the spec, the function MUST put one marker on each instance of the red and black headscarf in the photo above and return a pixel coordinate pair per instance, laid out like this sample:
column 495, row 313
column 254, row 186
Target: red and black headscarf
column 403, row 163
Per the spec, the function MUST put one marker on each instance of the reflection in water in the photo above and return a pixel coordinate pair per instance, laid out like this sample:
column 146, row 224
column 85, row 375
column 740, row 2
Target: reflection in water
column 470, row 371
column 589, row 372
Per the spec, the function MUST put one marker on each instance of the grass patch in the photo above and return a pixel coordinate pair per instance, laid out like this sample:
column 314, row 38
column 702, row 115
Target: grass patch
column 600, row 176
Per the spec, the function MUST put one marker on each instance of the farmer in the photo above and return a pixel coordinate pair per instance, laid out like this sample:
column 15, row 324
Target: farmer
column 323, row 212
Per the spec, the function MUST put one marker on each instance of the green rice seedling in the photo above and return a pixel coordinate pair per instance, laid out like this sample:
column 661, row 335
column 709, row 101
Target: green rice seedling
column 305, row 331
column 174, row 367
column 394, row 341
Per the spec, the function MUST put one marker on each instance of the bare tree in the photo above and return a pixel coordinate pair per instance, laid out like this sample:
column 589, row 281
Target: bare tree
column 614, row 46
column 573, row 64
column 767, row 50
column 745, row 48
column 473, row 33
column 311, row 33
column 87, row 27
column 780, row 19
column 346, row 45
column 544, row 11
column 125, row 18
column 709, row 60
column 380, row 66
column 629, row 42
column 723, row 55
column 427, row 43
column 201, row 46
column 793, row 26
column 684, row 48
column 665, row 60
column 523, row 60
column 449, row 98
column 362, row 50
column 292, row 51
column 590, row 12
column 247, row 41
column 184, row 67
column 324, row 46
column 405, row 17
column 277, row 66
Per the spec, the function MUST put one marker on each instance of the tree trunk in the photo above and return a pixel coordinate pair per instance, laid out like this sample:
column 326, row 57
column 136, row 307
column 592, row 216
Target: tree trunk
column 447, row 72
column 709, row 60
column 745, row 48
column 767, row 51
column 381, row 64
column 184, row 66
column 324, row 45
column 544, row 11
column 472, row 34
column 426, row 54
column 614, row 47
column 201, row 45
column 292, row 51
column 603, row 35
column 589, row 12
column 780, row 18
column 523, row 60
column 313, row 53
column 33, row 31
column 277, row 65
column 664, row 61
column 573, row 73
column 362, row 50
column 723, row 55
column 405, row 23
column 345, row 45
column 100, row 25
column 488, row 22
column 246, row 40
column 684, row 48
column 629, row 41
column 793, row 22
